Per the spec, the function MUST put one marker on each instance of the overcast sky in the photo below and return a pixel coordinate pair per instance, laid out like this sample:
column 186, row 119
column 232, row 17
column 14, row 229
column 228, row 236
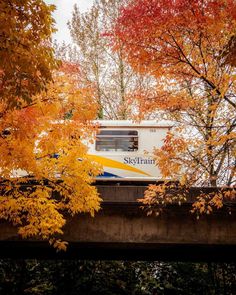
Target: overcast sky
column 63, row 14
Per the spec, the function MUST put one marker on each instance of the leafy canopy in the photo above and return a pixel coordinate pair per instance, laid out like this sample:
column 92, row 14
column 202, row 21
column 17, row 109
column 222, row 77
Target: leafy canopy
column 45, row 119
column 180, row 44
column 107, row 70
column 26, row 57
column 45, row 169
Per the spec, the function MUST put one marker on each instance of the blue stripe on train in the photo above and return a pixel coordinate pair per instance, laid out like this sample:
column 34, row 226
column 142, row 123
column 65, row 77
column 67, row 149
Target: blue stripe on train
column 107, row 174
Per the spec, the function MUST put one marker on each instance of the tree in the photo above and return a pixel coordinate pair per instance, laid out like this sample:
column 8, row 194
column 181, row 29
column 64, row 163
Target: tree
column 60, row 277
column 179, row 43
column 45, row 119
column 26, row 57
column 228, row 54
column 113, row 79
column 43, row 153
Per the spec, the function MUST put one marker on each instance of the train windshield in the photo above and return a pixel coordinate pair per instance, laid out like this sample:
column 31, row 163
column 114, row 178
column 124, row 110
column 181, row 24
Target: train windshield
column 117, row 140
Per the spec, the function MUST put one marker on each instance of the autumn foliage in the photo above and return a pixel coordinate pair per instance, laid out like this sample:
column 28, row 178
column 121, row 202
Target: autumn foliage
column 45, row 120
column 26, row 57
column 180, row 43
column 43, row 156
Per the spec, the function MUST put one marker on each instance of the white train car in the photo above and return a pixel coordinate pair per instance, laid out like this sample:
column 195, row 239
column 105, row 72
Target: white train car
column 124, row 149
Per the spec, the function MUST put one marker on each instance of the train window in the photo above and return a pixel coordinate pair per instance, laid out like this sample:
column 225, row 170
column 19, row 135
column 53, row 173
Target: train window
column 117, row 140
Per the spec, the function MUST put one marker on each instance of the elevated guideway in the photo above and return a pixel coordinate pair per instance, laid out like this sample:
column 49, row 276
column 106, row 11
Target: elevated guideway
column 121, row 230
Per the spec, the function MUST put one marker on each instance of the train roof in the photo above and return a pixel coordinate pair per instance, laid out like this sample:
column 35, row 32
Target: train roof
column 129, row 123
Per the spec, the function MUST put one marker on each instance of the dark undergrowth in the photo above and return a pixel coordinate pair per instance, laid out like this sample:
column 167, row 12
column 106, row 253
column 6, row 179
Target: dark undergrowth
column 75, row 277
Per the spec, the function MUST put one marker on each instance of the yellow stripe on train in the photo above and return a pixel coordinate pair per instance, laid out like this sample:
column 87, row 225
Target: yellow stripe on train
column 115, row 164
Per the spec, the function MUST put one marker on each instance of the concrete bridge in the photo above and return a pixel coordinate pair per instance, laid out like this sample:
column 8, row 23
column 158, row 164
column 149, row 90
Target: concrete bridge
column 121, row 230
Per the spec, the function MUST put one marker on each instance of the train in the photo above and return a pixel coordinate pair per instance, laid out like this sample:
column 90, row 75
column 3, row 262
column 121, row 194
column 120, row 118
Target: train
column 125, row 149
